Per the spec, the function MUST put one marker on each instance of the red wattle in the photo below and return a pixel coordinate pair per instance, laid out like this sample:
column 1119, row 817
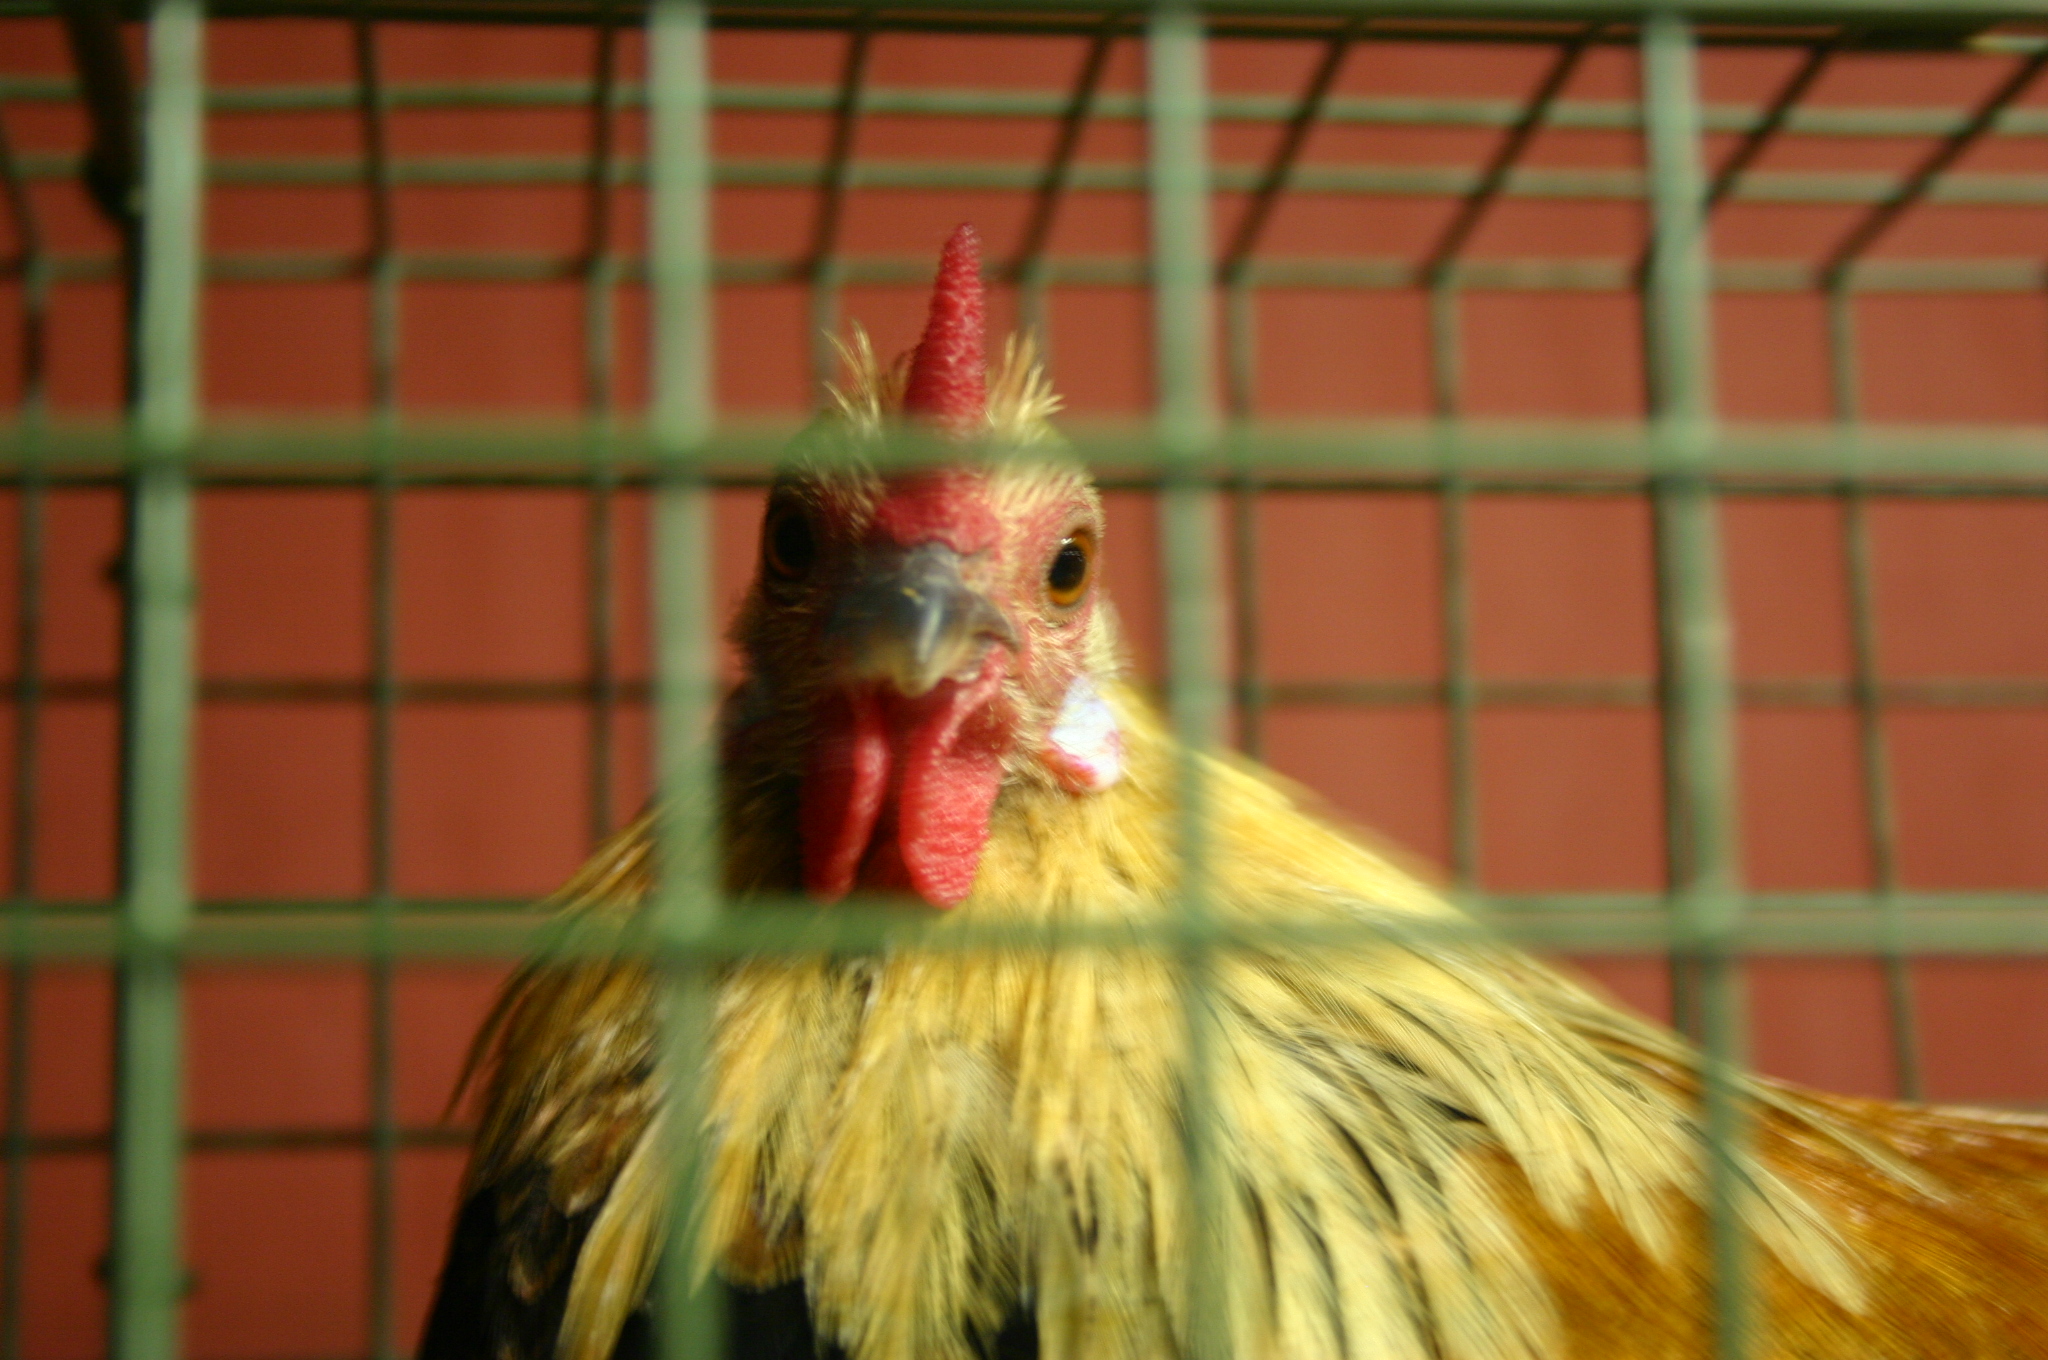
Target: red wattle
column 899, row 791
column 952, row 766
column 842, row 791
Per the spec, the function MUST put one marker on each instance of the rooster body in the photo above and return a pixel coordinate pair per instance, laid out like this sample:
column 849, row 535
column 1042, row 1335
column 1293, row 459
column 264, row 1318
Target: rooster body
column 1425, row 1147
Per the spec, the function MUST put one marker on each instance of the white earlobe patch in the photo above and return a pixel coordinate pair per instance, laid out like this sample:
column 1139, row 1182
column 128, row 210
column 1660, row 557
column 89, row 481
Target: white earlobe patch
column 1085, row 749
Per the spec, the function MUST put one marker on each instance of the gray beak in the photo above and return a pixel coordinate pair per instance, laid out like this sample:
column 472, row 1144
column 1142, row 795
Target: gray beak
column 911, row 620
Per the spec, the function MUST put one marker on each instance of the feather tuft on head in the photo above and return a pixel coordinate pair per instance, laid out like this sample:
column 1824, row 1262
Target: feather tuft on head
column 872, row 391
column 1021, row 402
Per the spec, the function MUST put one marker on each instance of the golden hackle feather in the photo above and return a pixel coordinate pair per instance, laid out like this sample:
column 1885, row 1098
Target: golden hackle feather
column 872, row 391
column 1431, row 1147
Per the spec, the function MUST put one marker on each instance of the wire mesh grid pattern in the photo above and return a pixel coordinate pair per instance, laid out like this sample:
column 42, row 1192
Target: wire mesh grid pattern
column 1208, row 455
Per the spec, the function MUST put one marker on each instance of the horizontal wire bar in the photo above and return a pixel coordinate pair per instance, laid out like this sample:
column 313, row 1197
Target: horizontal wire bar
column 1939, row 692
column 1588, row 922
column 1310, row 455
column 1588, row 274
column 235, row 907
column 1392, row 484
column 1496, row 16
column 1889, row 25
column 871, row 913
column 261, row 1140
column 1767, row 692
column 1616, row 184
column 1113, row 106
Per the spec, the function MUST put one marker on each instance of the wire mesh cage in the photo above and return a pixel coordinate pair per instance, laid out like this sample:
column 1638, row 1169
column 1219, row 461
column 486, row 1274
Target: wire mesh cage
column 1596, row 444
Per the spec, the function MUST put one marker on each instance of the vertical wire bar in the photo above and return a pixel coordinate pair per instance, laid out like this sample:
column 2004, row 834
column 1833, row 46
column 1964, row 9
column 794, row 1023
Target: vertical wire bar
column 1241, row 353
column 1439, row 274
column 1697, row 688
column 31, row 266
column 382, row 257
column 1182, row 275
column 1031, row 270
column 600, row 263
column 22, row 875
column 1461, row 691
column 1240, row 346
column 1240, row 330
column 32, row 269
column 1686, row 980
column 383, row 298
column 1438, row 270
column 1177, row 119
column 599, row 312
column 1251, row 676
column 1901, row 1010
column 1843, row 386
column 687, row 898
column 1446, row 347
column 832, row 186
column 156, row 898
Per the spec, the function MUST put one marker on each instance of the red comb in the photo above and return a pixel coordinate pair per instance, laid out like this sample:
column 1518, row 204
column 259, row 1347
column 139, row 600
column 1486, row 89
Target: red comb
column 948, row 382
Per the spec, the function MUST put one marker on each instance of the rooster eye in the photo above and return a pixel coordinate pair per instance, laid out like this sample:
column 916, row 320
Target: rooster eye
column 787, row 546
column 1066, row 580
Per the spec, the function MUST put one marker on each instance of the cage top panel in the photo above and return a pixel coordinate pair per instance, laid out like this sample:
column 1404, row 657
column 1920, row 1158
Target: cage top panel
column 2006, row 25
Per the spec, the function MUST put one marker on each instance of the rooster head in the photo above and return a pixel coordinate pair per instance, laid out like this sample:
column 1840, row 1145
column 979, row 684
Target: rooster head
column 926, row 638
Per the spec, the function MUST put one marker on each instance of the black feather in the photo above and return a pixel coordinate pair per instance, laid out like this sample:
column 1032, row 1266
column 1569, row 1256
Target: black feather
column 506, row 1281
column 505, row 1285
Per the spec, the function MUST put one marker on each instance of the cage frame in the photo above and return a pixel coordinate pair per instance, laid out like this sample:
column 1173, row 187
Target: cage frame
column 1204, row 451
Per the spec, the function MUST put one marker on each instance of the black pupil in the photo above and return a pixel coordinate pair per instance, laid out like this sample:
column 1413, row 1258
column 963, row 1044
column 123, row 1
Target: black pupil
column 1069, row 568
column 789, row 543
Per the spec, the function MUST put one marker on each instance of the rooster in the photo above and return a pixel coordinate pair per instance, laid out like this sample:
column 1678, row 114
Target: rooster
column 1433, row 1147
